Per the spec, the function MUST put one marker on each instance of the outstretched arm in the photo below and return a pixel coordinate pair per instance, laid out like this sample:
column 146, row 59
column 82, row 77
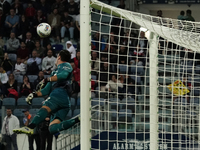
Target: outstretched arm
column 45, row 91
column 59, row 77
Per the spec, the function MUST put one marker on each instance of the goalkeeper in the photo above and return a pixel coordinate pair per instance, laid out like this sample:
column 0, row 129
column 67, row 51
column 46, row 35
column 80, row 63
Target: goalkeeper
column 58, row 103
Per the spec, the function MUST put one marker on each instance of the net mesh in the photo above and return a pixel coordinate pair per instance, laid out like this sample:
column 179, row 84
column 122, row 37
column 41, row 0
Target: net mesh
column 121, row 82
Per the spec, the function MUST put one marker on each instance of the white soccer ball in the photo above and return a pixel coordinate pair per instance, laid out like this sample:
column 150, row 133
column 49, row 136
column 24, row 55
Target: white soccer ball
column 43, row 30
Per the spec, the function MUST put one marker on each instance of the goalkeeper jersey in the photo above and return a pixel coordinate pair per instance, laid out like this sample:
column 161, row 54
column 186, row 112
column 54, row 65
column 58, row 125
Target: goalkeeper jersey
column 64, row 75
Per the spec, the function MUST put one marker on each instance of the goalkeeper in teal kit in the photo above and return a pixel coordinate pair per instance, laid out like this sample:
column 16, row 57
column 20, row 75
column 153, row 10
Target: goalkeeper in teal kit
column 57, row 103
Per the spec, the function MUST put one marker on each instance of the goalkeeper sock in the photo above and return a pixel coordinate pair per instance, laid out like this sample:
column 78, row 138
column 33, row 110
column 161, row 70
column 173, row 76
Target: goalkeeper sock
column 54, row 128
column 39, row 117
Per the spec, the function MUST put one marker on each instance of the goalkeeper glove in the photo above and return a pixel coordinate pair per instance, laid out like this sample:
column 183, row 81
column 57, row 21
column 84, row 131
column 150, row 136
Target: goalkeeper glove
column 30, row 98
column 46, row 80
column 42, row 84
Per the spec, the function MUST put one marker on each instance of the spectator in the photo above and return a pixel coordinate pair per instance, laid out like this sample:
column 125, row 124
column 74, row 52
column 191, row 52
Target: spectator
column 44, row 42
column 11, row 86
column 75, row 88
column 112, row 42
column 67, row 25
column 109, row 1
column 141, row 50
column 98, row 42
column 45, row 136
column 3, row 81
column 1, row 54
column 122, row 55
column 18, row 7
column 23, row 52
column 93, row 85
column 26, row 87
column 54, row 21
column 2, row 21
column 76, row 73
column 116, row 25
column 29, row 41
column 128, row 89
column 159, row 13
column 30, row 12
column 142, row 43
column 20, row 67
column 60, row 6
column 71, row 49
column 40, row 78
column 11, row 22
column 103, row 78
column 138, row 57
column 113, row 57
column 1, row 45
column 181, row 16
column 77, row 59
column 132, row 89
column 103, row 75
column 7, row 64
column 10, row 122
column 111, row 47
column 12, row 43
column 25, row 3
column 122, row 4
column 113, row 85
column 5, row 6
column 94, row 63
column 48, row 47
column 26, row 120
column 77, row 29
column 72, row 9
column 9, row 1
column 24, row 26
column 3, row 76
column 40, row 50
column 39, row 18
column 33, row 64
column 129, row 40
column 48, row 63
column 44, row 7
column 189, row 16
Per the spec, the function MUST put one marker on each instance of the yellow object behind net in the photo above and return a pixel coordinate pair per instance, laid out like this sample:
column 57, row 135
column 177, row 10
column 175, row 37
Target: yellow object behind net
column 178, row 88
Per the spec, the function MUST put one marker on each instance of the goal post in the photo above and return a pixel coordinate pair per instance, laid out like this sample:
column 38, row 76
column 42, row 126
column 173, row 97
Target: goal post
column 85, row 48
column 139, row 89
column 153, row 61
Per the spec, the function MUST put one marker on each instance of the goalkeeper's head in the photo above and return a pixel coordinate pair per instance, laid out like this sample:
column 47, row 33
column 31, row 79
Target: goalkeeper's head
column 63, row 56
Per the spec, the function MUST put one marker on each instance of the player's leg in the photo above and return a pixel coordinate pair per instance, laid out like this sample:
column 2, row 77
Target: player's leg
column 58, row 124
column 40, row 116
column 47, row 107
column 57, row 100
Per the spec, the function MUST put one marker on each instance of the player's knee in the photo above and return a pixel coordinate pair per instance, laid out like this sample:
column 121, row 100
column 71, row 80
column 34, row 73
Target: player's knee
column 53, row 128
column 47, row 108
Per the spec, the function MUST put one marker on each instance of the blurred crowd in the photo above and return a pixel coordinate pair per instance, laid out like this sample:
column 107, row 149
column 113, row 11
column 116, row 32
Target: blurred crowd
column 24, row 53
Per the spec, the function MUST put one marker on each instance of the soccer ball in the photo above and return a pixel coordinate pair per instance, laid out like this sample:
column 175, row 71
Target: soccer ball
column 43, row 30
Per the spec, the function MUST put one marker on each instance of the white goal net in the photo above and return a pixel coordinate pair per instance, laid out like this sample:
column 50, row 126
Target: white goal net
column 146, row 71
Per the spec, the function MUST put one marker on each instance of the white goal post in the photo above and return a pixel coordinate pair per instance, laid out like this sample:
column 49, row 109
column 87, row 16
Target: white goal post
column 163, row 110
column 85, row 40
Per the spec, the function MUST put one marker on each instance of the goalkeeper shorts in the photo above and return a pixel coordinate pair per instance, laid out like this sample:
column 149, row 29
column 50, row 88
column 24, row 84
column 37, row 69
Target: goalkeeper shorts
column 59, row 103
